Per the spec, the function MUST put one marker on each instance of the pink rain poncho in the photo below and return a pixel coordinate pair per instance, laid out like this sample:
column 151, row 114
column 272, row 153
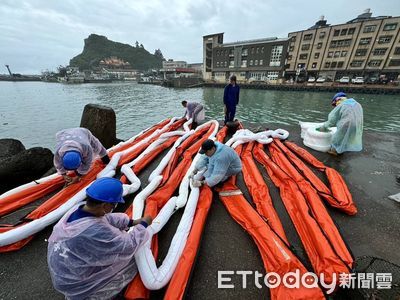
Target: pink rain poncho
column 81, row 140
column 93, row 257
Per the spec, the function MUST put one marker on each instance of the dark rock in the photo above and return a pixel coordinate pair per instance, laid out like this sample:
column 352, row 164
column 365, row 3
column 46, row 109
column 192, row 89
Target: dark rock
column 10, row 147
column 24, row 167
column 49, row 172
column 101, row 121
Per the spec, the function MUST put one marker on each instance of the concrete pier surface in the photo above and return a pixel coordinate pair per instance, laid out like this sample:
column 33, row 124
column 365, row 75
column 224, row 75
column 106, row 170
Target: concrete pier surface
column 225, row 246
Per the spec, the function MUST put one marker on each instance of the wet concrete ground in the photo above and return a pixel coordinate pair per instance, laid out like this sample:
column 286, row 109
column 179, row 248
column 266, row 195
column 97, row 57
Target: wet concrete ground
column 375, row 230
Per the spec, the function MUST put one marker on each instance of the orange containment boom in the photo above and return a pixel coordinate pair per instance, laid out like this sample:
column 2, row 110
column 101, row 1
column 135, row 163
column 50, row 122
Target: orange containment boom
column 303, row 210
column 275, row 254
column 340, row 196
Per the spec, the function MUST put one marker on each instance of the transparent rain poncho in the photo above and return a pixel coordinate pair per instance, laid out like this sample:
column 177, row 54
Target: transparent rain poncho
column 93, row 257
column 348, row 118
column 81, row 140
column 223, row 164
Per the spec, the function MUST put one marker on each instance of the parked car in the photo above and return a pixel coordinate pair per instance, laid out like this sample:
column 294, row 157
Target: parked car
column 372, row 80
column 321, row 79
column 344, row 79
column 358, row 80
column 311, row 79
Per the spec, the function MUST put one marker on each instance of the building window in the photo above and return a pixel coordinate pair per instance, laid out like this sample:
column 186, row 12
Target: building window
column 343, row 54
column 251, row 62
column 257, row 50
column 351, row 30
column 330, row 54
column 290, row 57
column 226, row 64
column 361, row 52
column 293, row 38
column 307, row 37
column 343, row 32
column 389, row 26
column 305, row 47
column 272, row 75
column 242, row 74
column 356, row 63
column 340, row 43
column 336, row 32
column 291, row 48
column 217, row 53
column 276, row 56
column 244, row 52
column 394, row 63
column 379, row 51
column 217, row 64
column 316, row 55
column 319, row 45
column 322, row 34
column 231, row 63
column 385, row 39
column 327, row 64
column 303, row 56
column 340, row 64
column 369, row 28
column 314, row 65
column 262, row 49
column 252, row 50
column 261, row 62
column 397, row 51
column 288, row 66
column 256, row 62
column 333, row 64
column 365, row 41
column 244, row 63
column 375, row 63
column 337, row 54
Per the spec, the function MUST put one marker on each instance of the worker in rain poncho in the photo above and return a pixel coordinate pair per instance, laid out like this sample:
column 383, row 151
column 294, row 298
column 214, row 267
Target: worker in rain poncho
column 194, row 111
column 90, row 253
column 220, row 162
column 347, row 116
column 75, row 150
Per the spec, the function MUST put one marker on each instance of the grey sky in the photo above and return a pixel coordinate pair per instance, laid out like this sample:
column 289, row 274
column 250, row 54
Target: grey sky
column 42, row 34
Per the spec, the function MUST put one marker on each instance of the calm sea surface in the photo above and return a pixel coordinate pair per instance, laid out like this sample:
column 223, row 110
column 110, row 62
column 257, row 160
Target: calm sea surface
column 34, row 111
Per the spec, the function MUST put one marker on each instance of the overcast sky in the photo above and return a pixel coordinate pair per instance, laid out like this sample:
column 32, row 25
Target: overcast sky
column 42, row 34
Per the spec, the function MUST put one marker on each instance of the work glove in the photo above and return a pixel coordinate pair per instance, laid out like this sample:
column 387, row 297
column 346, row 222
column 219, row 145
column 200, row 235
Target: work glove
column 197, row 183
column 194, row 172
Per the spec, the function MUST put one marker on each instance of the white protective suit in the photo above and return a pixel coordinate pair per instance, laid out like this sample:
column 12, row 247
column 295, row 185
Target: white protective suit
column 222, row 164
column 93, row 257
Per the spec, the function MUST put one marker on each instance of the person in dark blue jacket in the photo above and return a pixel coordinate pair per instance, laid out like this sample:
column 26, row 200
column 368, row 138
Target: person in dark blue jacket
column 231, row 99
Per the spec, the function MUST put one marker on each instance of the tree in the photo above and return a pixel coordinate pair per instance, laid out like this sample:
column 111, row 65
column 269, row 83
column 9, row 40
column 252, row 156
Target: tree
column 137, row 44
column 62, row 71
column 158, row 53
column 141, row 46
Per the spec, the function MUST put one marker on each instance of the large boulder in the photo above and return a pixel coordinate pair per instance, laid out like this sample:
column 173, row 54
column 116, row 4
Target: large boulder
column 101, row 121
column 24, row 167
column 10, row 147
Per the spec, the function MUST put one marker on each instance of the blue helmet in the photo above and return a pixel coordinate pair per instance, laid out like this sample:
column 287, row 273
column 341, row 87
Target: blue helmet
column 72, row 160
column 337, row 95
column 106, row 190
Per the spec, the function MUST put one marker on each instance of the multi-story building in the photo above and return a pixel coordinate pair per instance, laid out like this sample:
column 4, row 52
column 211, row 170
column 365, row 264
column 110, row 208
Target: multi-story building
column 261, row 59
column 365, row 46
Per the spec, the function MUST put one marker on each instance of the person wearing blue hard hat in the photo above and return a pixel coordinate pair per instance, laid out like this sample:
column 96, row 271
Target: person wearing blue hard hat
column 75, row 150
column 347, row 116
column 90, row 252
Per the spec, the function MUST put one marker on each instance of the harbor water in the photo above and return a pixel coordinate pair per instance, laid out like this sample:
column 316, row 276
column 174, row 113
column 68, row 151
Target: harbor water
column 34, row 111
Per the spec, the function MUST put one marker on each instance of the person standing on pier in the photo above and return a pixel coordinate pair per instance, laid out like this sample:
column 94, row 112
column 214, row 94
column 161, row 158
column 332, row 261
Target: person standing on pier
column 76, row 148
column 231, row 99
column 347, row 116
column 194, row 111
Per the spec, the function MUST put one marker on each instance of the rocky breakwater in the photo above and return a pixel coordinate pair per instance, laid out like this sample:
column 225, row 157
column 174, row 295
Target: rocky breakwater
column 19, row 165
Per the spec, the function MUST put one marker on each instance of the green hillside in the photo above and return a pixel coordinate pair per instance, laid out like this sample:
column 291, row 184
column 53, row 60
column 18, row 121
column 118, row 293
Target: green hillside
column 98, row 47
